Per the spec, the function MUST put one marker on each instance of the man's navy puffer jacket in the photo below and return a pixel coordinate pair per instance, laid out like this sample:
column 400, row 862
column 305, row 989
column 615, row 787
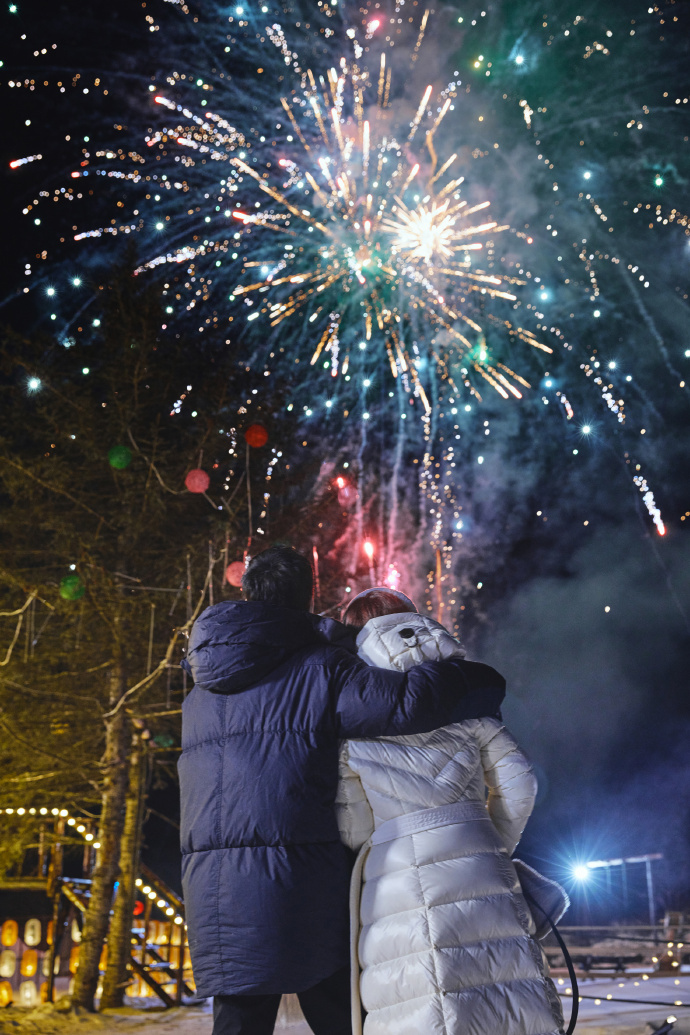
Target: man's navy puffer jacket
column 264, row 873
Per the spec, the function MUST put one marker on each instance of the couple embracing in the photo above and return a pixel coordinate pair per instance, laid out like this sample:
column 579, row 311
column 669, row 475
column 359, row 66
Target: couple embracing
column 306, row 740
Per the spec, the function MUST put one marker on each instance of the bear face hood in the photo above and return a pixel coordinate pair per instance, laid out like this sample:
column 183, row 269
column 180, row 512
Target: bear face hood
column 402, row 641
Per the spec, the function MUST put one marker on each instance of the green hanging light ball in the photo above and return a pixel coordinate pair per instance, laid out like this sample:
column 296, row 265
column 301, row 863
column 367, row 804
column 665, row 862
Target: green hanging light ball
column 72, row 588
column 120, row 457
column 164, row 740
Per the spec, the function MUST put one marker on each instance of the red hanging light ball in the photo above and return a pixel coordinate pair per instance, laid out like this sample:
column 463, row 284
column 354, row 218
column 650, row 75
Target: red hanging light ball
column 138, row 908
column 234, row 573
column 256, row 435
column 197, row 480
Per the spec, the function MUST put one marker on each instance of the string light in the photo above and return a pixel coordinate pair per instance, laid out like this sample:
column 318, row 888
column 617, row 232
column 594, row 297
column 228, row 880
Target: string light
column 75, row 824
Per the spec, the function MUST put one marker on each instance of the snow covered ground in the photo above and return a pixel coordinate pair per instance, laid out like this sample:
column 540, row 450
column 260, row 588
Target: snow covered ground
column 605, row 1016
column 598, row 1015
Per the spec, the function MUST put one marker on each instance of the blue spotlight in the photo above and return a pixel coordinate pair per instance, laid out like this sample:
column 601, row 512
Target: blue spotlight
column 581, row 872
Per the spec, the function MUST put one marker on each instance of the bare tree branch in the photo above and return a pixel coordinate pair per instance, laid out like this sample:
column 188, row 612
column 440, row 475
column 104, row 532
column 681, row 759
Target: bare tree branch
column 49, row 693
column 14, row 640
column 29, row 779
column 36, row 747
column 20, row 610
column 165, row 661
column 54, row 488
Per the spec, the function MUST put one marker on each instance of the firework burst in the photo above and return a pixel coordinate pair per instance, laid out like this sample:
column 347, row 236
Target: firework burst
column 304, row 202
column 358, row 237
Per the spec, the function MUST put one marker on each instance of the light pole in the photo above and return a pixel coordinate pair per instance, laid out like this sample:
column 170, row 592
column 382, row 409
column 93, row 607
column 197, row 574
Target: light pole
column 581, row 872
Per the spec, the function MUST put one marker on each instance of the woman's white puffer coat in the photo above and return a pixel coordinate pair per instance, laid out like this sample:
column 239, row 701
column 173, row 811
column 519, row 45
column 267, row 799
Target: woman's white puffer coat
column 446, row 942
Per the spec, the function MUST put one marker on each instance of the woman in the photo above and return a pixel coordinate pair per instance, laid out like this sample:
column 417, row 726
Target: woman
column 445, row 938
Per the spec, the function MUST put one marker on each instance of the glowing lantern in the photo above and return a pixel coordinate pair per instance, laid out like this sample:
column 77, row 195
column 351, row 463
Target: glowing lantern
column 28, row 993
column 9, row 934
column 72, row 588
column 160, row 932
column 234, row 573
column 138, row 908
column 29, row 964
column 256, row 435
column 8, row 963
column 368, row 548
column 32, row 932
column 197, row 480
column 120, row 457
column 5, row 993
column 74, row 959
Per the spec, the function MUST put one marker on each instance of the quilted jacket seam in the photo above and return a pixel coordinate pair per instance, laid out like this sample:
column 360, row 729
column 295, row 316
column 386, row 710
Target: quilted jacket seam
column 282, row 844
column 259, row 730
column 454, row 902
column 451, row 858
column 460, row 991
column 391, row 769
column 396, row 796
column 447, row 948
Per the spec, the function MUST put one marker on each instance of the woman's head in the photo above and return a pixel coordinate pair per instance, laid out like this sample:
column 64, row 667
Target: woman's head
column 373, row 603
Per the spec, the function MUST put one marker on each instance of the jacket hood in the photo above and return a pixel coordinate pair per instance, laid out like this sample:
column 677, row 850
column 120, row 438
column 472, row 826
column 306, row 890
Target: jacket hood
column 238, row 642
column 404, row 640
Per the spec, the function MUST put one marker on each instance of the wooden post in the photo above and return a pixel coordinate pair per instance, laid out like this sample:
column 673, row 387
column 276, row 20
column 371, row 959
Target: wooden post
column 42, row 850
column 145, row 935
column 97, row 916
column 56, row 857
column 120, row 934
column 57, row 895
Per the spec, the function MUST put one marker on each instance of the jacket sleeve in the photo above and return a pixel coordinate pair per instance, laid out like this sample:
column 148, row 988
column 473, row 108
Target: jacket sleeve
column 510, row 779
column 374, row 702
column 352, row 810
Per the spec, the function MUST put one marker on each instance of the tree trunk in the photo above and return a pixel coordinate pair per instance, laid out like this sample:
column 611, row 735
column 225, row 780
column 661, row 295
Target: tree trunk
column 117, row 744
column 120, row 935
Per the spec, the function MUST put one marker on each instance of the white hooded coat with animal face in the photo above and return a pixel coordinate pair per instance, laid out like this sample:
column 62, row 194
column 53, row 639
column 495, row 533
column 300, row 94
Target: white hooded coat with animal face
column 446, row 942
column 402, row 641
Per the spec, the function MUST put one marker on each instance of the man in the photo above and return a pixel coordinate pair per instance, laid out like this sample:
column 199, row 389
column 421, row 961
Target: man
column 264, row 873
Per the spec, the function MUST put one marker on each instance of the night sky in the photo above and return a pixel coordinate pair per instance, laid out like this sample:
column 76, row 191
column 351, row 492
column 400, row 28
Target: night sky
column 566, row 585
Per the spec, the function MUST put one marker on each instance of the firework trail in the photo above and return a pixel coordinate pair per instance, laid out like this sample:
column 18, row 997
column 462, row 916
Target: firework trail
column 294, row 193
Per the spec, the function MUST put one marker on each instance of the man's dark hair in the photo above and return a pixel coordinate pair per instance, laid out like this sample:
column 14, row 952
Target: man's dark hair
column 281, row 576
